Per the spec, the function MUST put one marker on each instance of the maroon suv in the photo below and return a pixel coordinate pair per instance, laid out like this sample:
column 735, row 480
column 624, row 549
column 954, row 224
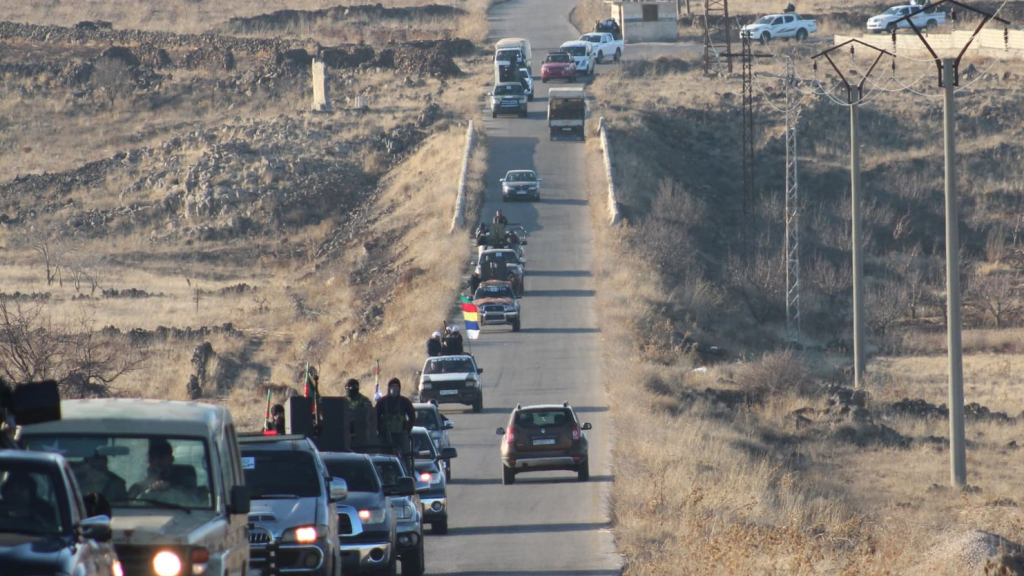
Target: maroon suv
column 542, row 438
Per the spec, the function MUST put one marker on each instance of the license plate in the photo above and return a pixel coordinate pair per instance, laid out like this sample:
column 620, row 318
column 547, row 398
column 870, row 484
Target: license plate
column 520, row 191
column 255, row 572
column 449, row 392
column 544, row 442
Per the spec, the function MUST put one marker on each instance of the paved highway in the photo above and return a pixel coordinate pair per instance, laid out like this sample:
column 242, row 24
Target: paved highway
column 546, row 524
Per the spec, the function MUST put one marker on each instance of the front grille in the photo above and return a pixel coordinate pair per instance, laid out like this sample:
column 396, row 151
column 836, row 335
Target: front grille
column 494, row 308
column 260, row 537
column 344, row 525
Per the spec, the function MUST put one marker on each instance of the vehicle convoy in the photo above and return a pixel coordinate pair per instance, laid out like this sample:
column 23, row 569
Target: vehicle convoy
column 784, row 26
column 567, row 112
column 428, row 463
column 558, row 65
column 893, row 18
column 508, row 98
column 452, row 380
column 367, row 525
column 502, row 264
column 584, row 55
column 604, row 45
column 498, row 304
column 520, row 184
column 294, row 519
column 408, row 511
column 44, row 525
column 520, row 44
column 429, row 416
column 541, row 438
column 171, row 473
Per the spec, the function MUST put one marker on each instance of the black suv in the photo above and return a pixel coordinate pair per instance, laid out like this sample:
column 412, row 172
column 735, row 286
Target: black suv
column 408, row 512
column 293, row 525
column 429, row 466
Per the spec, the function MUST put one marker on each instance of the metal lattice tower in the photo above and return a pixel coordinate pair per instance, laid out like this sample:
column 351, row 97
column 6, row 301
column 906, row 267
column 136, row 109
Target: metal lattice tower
column 717, row 9
column 792, row 209
column 747, row 61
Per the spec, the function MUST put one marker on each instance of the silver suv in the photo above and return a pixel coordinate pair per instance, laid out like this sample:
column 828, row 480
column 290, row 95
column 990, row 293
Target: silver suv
column 508, row 98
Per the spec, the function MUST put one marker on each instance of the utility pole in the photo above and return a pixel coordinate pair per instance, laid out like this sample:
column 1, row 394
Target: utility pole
column 948, row 79
column 854, row 95
column 792, row 210
column 716, row 9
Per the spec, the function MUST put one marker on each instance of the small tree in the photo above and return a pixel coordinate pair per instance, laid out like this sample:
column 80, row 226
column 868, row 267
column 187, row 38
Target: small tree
column 996, row 295
column 52, row 251
column 113, row 77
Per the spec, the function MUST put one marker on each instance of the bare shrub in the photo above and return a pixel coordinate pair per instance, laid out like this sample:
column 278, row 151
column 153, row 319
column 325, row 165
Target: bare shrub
column 996, row 295
column 33, row 347
column 776, row 373
column 113, row 77
column 759, row 280
column 52, row 251
column 830, row 279
column 995, row 245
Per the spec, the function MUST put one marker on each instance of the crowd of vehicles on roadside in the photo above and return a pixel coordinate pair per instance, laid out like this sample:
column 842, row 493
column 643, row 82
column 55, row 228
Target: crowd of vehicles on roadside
column 916, row 13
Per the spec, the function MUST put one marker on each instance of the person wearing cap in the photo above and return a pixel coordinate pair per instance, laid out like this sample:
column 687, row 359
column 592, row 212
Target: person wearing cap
column 434, row 344
column 453, row 341
column 362, row 419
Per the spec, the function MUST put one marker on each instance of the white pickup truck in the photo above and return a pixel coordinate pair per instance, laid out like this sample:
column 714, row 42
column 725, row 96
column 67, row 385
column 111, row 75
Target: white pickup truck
column 922, row 16
column 774, row 26
column 604, row 44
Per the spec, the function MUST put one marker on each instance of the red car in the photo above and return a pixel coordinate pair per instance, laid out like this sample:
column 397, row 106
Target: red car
column 558, row 65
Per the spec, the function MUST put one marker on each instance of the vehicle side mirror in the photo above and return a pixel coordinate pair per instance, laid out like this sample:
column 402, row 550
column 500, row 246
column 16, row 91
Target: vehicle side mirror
column 479, row 370
column 406, row 486
column 490, row 93
column 500, row 431
column 501, row 179
column 238, row 500
column 339, row 489
column 524, row 243
column 448, row 425
column 96, row 528
column 449, row 452
column 587, row 426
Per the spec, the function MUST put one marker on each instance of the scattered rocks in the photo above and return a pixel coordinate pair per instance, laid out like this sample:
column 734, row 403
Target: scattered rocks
column 284, row 19
column 21, row 296
column 128, row 293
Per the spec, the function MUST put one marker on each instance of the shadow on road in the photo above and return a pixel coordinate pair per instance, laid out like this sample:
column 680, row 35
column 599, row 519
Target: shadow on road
column 589, row 409
column 561, row 330
column 560, row 273
column 527, row 529
column 538, row 573
column 475, row 481
column 561, row 293
column 564, row 480
column 565, row 201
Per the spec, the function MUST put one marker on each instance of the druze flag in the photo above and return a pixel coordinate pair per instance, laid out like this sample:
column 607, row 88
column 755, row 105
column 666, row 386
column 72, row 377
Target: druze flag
column 471, row 315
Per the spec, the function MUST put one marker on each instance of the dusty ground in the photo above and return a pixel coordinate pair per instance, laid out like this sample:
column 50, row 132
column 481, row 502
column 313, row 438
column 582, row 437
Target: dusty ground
column 745, row 455
column 182, row 193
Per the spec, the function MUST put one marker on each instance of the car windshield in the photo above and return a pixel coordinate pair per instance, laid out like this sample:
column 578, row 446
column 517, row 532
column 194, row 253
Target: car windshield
column 136, row 471
column 558, row 58
column 265, row 478
column 360, row 475
column 428, row 418
column 508, row 90
column 506, row 256
column 494, row 292
column 521, row 177
column 576, row 50
column 423, row 446
column 592, row 38
column 32, row 500
column 542, row 418
column 895, row 11
column 765, row 19
column 389, row 470
column 448, row 366
column 508, row 55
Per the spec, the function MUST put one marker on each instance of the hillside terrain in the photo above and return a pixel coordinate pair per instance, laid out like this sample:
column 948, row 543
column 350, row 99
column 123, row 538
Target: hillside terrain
column 750, row 454
column 169, row 205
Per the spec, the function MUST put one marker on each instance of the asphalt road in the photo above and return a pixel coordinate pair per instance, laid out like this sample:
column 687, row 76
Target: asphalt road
column 546, row 524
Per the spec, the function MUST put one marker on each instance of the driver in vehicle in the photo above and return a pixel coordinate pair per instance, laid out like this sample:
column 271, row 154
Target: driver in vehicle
column 94, row 476
column 163, row 476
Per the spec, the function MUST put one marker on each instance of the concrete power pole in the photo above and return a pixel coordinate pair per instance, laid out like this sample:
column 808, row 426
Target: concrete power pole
column 854, row 95
column 948, row 80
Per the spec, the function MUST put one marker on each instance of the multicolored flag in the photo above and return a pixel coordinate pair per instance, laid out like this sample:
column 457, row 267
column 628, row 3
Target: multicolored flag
column 471, row 314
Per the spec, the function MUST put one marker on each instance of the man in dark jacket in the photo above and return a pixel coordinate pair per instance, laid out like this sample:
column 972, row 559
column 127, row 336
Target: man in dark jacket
column 453, row 341
column 434, row 344
column 362, row 420
column 474, row 283
column 395, row 418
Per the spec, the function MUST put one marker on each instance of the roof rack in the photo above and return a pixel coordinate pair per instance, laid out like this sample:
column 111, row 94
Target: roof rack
column 565, row 404
column 519, row 406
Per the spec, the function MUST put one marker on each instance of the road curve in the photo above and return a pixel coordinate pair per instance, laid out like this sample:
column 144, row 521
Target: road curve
column 546, row 524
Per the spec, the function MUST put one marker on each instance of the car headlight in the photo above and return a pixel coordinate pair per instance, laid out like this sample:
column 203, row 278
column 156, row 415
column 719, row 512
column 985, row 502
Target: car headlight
column 433, row 478
column 404, row 512
column 426, row 386
column 372, row 515
column 166, row 563
column 304, row 534
column 116, row 569
column 472, row 383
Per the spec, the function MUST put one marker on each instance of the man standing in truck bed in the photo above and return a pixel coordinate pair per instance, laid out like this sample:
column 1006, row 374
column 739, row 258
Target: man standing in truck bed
column 395, row 418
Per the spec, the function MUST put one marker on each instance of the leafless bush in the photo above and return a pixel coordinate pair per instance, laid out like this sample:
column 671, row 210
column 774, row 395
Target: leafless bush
column 996, row 295
column 760, row 280
column 52, row 252
column 886, row 302
column 33, row 347
column 995, row 245
column 830, row 279
column 113, row 77
column 776, row 373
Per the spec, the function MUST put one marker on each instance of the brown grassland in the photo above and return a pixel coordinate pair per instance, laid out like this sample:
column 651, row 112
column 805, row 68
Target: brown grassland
column 746, row 459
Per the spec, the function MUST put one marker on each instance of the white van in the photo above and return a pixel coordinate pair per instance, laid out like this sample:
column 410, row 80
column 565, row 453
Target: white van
column 522, row 44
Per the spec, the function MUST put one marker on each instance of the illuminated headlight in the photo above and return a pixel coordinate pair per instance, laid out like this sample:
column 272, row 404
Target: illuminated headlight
column 166, row 563
column 404, row 512
column 303, row 534
column 116, row 569
column 372, row 516
column 430, row 477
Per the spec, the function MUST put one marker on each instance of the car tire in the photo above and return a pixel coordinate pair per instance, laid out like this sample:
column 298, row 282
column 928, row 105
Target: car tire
column 573, row 77
column 600, row 57
column 494, row 114
column 508, row 475
column 583, row 472
column 478, row 405
column 543, row 80
column 765, row 38
column 516, row 324
column 523, row 114
column 448, row 470
column 890, row 27
column 529, row 98
column 931, row 25
column 801, row 35
column 618, row 54
column 413, row 561
column 439, row 527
